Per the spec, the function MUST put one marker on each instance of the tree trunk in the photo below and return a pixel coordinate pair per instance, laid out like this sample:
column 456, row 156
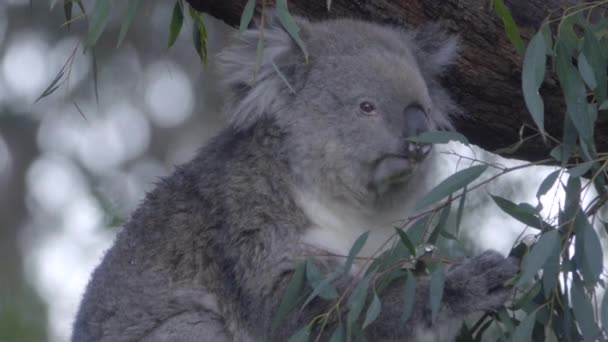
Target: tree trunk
column 486, row 82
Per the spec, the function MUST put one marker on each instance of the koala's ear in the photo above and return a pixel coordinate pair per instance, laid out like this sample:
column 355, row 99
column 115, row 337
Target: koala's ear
column 437, row 49
column 258, row 90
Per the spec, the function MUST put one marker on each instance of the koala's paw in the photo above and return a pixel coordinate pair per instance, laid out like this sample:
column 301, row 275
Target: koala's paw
column 477, row 284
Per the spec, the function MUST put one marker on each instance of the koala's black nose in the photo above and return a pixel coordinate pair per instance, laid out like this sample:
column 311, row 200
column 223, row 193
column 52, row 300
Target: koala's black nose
column 416, row 121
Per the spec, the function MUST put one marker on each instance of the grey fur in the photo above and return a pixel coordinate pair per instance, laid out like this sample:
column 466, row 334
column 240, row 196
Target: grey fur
column 207, row 255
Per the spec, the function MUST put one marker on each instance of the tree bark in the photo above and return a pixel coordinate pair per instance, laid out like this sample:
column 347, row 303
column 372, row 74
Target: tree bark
column 486, row 82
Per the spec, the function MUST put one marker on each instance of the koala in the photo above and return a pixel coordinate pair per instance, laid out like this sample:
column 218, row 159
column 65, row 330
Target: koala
column 314, row 154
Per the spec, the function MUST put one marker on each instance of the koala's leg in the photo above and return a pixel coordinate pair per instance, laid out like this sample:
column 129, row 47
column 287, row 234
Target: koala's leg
column 190, row 327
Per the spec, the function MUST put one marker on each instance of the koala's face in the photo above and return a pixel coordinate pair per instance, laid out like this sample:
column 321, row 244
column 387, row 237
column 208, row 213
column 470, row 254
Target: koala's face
column 355, row 113
column 349, row 109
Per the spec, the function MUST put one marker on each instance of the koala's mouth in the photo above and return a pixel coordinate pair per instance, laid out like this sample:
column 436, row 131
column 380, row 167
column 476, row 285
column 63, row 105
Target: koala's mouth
column 398, row 168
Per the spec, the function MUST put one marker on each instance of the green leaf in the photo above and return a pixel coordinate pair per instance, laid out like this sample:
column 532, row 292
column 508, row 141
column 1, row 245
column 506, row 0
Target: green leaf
column 460, row 209
column 551, row 273
column 292, row 294
column 301, row 335
column 523, row 332
column 525, row 300
column 99, row 19
column 67, row 10
column 247, row 15
column 55, row 84
column 290, row 25
column 583, row 311
column 588, row 250
column 523, row 213
column 436, row 291
column 547, row 183
column 575, row 94
column 439, row 137
column 510, row 26
column 417, row 231
column 338, row 335
column 127, row 21
column 533, row 74
column 354, row 251
column 452, row 184
column 373, row 311
column 323, row 289
column 406, row 241
column 580, row 169
column 604, row 312
column 177, row 21
column 409, row 299
column 538, row 256
column 586, row 71
column 441, row 225
column 320, row 283
column 356, row 301
column 592, row 50
column 199, row 34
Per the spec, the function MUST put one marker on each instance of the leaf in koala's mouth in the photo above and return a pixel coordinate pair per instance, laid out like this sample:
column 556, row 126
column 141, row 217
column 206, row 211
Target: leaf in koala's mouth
column 400, row 176
column 393, row 170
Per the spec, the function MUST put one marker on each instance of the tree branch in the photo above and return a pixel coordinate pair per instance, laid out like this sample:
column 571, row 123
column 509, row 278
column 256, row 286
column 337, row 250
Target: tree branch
column 486, row 83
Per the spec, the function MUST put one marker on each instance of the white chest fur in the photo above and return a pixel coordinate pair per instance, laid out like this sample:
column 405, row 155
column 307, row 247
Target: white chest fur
column 335, row 227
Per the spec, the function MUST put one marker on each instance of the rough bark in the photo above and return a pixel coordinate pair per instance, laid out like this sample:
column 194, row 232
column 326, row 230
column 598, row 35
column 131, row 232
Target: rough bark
column 486, row 83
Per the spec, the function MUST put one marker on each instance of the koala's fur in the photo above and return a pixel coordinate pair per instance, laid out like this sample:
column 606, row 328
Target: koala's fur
column 301, row 171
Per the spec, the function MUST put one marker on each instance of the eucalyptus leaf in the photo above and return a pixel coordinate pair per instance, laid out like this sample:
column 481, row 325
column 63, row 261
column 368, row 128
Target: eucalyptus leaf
column 533, row 74
column 452, row 184
column 354, row 251
column 436, row 291
column 338, row 335
column 247, row 15
column 583, row 311
column 292, row 295
column 373, row 311
column 523, row 332
column 547, row 183
column 406, row 241
column 99, row 19
column 290, row 25
column 538, row 256
column 586, row 71
column 439, row 137
column 580, row 169
column 177, row 21
column 604, row 312
column 356, row 301
column 127, row 21
column 592, row 50
column 301, row 335
column 521, row 212
column 588, row 249
column 510, row 26
column 67, row 11
column 575, row 94
column 320, row 283
column 409, row 299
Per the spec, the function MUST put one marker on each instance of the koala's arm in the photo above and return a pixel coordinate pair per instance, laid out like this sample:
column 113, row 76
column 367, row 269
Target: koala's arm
column 474, row 285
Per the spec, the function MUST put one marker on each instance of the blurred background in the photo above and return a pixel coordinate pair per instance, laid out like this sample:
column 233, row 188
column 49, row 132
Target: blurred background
column 73, row 167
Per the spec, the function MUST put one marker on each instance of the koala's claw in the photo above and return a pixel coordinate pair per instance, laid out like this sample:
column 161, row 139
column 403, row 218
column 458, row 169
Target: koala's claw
column 478, row 283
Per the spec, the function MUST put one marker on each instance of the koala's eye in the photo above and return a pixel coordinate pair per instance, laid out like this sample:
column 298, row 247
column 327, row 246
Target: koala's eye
column 367, row 107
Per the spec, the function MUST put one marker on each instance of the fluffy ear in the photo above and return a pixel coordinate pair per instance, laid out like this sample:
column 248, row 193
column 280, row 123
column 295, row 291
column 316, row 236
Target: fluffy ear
column 437, row 49
column 258, row 90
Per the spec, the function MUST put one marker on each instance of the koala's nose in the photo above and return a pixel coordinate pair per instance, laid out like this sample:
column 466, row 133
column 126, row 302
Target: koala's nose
column 416, row 121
